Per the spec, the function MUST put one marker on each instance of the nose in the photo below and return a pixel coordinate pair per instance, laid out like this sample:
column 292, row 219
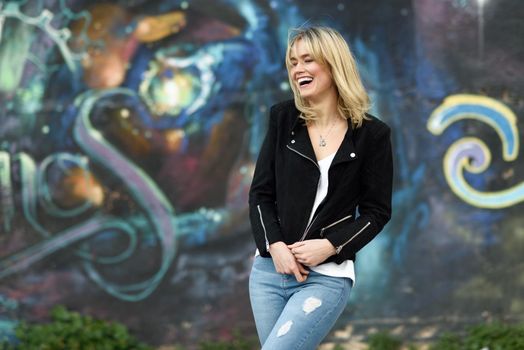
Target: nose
column 298, row 68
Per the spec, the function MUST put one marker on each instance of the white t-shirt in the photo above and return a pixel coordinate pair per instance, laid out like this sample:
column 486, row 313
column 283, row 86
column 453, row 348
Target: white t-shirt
column 347, row 268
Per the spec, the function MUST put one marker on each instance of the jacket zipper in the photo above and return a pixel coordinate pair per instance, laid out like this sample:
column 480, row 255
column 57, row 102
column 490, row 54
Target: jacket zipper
column 263, row 226
column 316, row 164
column 307, row 229
column 333, row 224
column 339, row 248
column 303, row 155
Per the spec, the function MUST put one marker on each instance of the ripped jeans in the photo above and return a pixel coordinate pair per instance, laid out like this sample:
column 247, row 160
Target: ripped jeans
column 291, row 315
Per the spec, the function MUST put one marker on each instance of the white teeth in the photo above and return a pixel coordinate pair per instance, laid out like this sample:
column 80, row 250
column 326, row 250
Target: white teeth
column 304, row 80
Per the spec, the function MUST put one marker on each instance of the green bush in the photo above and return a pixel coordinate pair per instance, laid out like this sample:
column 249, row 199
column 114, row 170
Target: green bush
column 448, row 341
column 493, row 336
column 383, row 341
column 72, row 331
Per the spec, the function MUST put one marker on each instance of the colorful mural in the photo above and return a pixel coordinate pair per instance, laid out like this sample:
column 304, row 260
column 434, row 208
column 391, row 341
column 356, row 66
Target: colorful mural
column 466, row 153
column 129, row 132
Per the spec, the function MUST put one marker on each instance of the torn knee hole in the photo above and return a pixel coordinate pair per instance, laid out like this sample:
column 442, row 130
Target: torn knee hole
column 311, row 304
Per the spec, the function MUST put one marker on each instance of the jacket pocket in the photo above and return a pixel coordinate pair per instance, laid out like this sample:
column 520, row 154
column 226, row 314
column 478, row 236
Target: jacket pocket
column 333, row 224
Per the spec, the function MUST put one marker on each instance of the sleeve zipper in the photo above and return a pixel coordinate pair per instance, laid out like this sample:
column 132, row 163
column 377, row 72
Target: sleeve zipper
column 339, row 248
column 333, row 224
column 263, row 227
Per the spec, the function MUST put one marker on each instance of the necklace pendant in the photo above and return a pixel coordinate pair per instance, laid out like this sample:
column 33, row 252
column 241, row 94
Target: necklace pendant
column 322, row 142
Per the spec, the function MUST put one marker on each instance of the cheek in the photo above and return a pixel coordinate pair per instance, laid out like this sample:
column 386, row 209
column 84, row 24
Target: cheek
column 317, row 68
column 326, row 80
column 291, row 72
column 322, row 81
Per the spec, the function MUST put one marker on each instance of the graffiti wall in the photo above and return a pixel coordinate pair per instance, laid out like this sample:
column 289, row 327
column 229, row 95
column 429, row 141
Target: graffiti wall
column 129, row 132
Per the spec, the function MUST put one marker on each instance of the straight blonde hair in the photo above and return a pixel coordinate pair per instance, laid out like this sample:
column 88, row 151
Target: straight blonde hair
column 328, row 47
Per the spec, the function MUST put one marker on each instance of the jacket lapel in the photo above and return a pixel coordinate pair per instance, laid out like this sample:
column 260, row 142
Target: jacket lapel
column 347, row 151
column 299, row 140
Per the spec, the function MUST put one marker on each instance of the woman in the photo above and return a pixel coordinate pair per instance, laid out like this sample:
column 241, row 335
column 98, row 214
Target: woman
column 323, row 157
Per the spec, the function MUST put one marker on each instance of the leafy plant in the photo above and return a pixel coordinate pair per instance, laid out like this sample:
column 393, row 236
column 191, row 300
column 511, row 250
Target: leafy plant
column 383, row 341
column 448, row 341
column 72, row 331
column 493, row 336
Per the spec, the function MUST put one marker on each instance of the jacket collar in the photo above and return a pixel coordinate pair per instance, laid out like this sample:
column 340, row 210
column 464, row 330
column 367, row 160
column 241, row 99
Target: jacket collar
column 300, row 142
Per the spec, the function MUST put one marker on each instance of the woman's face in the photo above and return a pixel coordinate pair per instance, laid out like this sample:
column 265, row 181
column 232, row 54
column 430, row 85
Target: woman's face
column 312, row 79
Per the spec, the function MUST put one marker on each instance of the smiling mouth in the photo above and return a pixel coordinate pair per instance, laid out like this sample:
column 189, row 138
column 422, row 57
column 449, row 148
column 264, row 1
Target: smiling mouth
column 304, row 81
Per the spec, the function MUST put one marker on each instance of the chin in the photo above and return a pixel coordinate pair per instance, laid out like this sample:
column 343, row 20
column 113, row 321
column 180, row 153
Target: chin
column 305, row 94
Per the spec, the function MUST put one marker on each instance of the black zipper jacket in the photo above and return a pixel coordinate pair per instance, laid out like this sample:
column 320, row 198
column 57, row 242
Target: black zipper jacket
column 286, row 178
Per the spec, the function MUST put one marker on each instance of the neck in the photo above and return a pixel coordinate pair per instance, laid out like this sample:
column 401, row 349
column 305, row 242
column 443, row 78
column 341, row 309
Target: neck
column 326, row 110
column 327, row 116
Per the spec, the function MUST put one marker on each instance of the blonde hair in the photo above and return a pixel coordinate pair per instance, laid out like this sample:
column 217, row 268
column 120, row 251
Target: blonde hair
column 328, row 47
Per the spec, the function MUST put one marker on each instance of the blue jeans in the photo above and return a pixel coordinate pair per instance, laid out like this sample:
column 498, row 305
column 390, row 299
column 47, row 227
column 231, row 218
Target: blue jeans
column 292, row 315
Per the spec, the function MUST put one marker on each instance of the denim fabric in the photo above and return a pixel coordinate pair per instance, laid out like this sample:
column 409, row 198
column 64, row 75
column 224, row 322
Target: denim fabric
column 291, row 315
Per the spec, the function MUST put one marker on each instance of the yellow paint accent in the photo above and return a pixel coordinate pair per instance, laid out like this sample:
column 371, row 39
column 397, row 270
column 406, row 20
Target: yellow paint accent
column 436, row 128
column 150, row 29
column 457, row 182
column 476, row 169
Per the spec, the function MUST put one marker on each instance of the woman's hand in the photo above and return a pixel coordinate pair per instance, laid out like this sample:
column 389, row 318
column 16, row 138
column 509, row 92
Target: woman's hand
column 286, row 263
column 312, row 252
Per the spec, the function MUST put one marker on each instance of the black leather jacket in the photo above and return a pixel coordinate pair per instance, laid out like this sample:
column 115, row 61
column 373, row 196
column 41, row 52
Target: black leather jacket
column 286, row 177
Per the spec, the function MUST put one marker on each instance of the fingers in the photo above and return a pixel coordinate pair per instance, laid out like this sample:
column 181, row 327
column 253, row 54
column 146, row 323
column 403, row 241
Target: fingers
column 296, row 251
column 299, row 255
column 298, row 270
column 298, row 275
column 286, row 262
column 295, row 245
column 301, row 259
column 302, row 269
column 304, row 262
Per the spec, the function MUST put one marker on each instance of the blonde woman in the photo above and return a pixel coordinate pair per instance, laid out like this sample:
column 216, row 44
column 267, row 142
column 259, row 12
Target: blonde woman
column 324, row 159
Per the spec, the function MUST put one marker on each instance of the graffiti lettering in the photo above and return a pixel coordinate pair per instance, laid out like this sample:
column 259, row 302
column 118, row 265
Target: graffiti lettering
column 159, row 214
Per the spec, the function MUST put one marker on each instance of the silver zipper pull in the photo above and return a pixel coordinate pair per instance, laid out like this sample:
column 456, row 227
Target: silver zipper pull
column 339, row 248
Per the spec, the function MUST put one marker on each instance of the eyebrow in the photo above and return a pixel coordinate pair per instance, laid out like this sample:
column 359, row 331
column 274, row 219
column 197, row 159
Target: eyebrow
column 302, row 56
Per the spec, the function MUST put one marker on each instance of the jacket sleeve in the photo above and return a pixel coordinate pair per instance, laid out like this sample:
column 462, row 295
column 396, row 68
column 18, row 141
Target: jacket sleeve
column 375, row 202
column 262, row 194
